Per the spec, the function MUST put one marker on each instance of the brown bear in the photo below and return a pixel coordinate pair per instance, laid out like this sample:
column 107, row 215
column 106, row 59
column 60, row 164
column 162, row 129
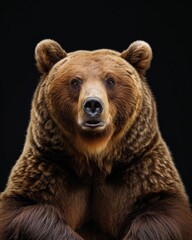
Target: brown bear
column 94, row 163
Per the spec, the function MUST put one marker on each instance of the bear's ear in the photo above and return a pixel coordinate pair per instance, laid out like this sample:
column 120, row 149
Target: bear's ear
column 47, row 53
column 139, row 55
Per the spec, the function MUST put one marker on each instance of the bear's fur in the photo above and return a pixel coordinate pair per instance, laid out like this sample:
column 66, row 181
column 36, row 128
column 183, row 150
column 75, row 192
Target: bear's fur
column 94, row 164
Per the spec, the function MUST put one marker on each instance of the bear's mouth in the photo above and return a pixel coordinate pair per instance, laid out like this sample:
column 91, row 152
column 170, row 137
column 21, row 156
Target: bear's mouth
column 93, row 123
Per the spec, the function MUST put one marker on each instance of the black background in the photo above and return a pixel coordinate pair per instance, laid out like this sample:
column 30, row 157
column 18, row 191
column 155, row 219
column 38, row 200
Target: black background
column 92, row 25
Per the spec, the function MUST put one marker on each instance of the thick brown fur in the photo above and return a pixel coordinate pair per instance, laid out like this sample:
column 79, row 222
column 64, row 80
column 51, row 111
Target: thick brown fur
column 94, row 165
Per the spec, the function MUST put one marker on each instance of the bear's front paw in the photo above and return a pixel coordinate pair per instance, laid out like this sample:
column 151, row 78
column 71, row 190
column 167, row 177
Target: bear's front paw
column 153, row 226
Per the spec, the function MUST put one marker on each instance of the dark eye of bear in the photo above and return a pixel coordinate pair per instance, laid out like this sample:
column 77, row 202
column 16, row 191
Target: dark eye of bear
column 76, row 83
column 110, row 82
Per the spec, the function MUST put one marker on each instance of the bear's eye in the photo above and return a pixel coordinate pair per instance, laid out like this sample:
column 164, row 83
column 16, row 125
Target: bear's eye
column 110, row 82
column 76, row 83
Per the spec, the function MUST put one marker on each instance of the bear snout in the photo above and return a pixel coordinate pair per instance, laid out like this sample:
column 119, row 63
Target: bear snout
column 93, row 106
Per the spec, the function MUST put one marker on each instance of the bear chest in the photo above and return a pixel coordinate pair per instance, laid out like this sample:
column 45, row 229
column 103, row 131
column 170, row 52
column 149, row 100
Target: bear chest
column 97, row 201
column 110, row 206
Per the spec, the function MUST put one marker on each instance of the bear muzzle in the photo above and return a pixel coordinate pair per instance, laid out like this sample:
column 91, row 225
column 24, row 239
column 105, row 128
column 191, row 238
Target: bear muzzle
column 93, row 107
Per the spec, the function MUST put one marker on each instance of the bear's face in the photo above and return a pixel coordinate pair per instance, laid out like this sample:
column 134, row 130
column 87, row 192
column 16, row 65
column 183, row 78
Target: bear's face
column 93, row 96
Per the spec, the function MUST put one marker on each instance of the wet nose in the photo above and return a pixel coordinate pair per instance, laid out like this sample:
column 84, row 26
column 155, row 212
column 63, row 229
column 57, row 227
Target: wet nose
column 93, row 106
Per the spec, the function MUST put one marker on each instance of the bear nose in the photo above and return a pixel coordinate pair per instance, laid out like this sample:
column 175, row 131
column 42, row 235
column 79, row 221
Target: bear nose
column 93, row 106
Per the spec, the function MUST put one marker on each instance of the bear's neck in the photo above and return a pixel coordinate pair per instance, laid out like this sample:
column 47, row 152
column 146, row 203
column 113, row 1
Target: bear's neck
column 60, row 151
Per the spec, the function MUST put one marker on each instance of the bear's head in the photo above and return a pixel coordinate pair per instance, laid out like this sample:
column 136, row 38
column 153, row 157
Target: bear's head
column 93, row 97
